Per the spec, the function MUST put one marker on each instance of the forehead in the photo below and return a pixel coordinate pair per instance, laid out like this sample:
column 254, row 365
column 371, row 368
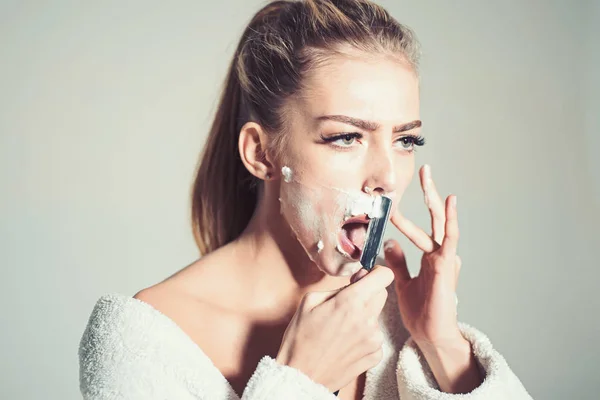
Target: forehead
column 385, row 90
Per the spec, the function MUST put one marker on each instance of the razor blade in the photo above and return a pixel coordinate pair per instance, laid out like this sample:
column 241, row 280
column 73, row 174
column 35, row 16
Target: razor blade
column 375, row 232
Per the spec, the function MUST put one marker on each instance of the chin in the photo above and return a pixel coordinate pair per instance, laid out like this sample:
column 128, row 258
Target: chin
column 333, row 263
column 349, row 268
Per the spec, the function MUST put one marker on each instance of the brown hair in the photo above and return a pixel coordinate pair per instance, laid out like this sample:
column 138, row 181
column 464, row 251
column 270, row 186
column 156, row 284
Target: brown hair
column 282, row 42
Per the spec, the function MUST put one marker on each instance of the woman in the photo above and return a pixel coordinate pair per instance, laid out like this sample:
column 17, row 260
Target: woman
column 319, row 114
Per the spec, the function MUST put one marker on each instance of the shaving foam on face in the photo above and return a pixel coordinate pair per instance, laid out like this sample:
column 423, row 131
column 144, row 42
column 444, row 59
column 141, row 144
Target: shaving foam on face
column 302, row 207
column 376, row 210
column 361, row 204
column 287, row 174
column 358, row 203
column 316, row 213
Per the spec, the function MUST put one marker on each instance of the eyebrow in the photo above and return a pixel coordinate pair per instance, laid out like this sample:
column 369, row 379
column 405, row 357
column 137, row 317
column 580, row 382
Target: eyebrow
column 369, row 125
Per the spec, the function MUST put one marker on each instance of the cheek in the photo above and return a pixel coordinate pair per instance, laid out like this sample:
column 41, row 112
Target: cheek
column 330, row 170
column 312, row 212
column 315, row 216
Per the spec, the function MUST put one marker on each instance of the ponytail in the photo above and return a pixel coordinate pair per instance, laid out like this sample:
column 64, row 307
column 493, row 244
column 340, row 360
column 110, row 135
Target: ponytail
column 223, row 194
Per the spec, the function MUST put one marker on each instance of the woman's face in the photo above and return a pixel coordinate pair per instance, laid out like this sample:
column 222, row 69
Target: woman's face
column 348, row 140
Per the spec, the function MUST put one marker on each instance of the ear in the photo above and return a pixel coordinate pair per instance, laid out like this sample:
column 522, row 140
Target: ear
column 252, row 145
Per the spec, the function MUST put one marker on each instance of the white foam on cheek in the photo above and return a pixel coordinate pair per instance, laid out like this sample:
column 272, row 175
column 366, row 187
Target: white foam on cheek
column 315, row 215
column 301, row 202
column 356, row 203
column 306, row 212
column 303, row 206
column 287, row 174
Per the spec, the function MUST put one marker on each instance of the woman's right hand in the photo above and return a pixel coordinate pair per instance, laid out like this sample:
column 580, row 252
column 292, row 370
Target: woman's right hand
column 334, row 336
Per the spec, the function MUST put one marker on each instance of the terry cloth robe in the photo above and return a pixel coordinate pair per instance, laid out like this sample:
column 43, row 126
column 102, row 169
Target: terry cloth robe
column 130, row 350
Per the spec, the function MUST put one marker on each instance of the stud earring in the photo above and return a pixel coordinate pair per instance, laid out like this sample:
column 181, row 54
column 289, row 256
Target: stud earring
column 268, row 176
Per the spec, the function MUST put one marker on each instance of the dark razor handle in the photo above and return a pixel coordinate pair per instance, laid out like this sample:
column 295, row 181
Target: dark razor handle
column 375, row 235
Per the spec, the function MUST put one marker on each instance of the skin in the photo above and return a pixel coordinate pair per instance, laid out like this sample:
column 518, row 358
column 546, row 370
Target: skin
column 237, row 301
column 327, row 175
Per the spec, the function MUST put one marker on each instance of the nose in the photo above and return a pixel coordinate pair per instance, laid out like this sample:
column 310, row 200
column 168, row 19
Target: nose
column 381, row 175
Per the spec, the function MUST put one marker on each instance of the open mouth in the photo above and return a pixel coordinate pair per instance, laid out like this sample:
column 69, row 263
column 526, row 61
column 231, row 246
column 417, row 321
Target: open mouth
column 353, row 234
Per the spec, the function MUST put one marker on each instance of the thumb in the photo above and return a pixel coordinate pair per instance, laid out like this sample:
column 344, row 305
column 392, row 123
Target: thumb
column 395, row 259
column 313, row 299
column 358, row 275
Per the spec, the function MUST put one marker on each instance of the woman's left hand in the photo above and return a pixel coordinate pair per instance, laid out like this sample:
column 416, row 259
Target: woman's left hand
column 427, row 302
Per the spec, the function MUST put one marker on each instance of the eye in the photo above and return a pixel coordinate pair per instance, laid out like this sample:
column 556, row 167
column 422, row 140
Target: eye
column 343, row 139
column 409, row 142
column 346, row 139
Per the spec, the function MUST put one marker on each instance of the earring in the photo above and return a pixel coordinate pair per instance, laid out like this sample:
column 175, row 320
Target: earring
column 268, row 176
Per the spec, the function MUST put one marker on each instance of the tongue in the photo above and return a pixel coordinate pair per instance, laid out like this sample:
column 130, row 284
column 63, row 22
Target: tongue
column 357, row 234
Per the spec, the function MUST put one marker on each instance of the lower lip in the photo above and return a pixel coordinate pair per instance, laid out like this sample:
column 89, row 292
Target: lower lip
column 348, row 246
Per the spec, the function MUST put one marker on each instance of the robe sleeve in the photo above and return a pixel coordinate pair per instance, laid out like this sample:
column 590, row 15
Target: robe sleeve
column 120, row 359
column 417, row 382
column 272, row 381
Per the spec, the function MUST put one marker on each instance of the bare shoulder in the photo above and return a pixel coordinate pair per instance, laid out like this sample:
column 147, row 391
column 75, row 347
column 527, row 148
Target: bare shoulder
column 171, row 300
column 195, row 298
column 181, row 292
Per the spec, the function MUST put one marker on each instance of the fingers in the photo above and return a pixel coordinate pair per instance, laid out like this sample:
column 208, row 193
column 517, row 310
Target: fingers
column 314, row 299
column 444, row 221
column 357, row 276
column 396, row 260
column 375, row 306
column 457, row 266
column 415, row 234
column 434, row 203
column 381, row 277
column 450, row 243
column 362, row 290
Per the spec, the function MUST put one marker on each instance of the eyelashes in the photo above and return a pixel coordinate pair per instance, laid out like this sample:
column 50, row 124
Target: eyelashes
column 347, row 139
column 415, row 140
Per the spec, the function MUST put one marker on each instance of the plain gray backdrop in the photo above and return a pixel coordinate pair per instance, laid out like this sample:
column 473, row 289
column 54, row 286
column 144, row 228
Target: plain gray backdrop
column 105, row 106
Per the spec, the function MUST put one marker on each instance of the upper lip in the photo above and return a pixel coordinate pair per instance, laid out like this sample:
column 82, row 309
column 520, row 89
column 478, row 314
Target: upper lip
column 360, row 219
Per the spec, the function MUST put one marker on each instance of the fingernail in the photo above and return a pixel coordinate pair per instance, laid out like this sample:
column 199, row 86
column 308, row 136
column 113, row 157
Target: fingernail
column 427, row 169
column 454, row 201
column 388, row 245
column 358, row 275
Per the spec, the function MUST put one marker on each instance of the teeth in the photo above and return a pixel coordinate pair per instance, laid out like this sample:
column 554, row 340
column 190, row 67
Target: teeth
column 341, row 251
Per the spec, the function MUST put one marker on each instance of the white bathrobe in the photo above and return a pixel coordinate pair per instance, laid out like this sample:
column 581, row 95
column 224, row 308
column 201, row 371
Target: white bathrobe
column 130, row 350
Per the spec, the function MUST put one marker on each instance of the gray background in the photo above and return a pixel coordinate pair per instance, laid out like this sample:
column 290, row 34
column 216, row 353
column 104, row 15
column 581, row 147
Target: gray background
column 104, row 108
